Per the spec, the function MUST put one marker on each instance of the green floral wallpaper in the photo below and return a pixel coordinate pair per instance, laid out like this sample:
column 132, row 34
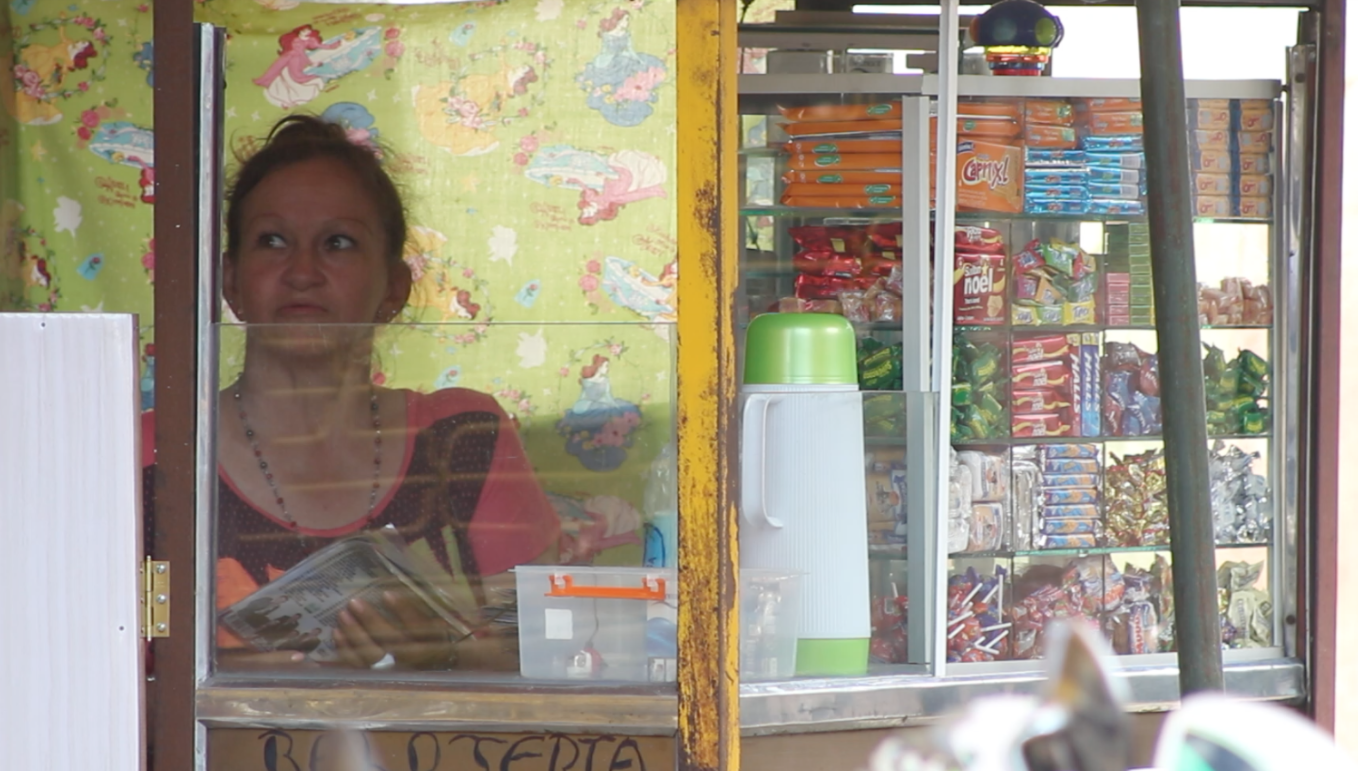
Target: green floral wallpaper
column 534, row 140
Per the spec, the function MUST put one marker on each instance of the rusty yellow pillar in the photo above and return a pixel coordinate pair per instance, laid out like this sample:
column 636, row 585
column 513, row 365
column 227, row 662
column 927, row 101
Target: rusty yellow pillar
column 708, row 135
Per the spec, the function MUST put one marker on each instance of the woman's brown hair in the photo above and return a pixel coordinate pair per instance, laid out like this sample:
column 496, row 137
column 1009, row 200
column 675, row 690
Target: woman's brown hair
column 298, row 138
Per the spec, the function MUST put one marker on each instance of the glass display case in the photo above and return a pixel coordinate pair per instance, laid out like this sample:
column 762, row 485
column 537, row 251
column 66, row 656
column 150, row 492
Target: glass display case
column 1028, row 312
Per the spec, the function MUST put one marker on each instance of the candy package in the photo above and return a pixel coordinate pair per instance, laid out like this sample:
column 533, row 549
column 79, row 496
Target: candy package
column 1111, row 142
column 1246, row 611
column 842, row 128
column 842, row 177
column 1135, row 500
column 988, row 523
column 1081, row 541
column 1026, row 501
column 1071, row 526
column 1043, row 424
column 976, row 631
column 1242, row 508
column 989, row 475
column 1049, row 111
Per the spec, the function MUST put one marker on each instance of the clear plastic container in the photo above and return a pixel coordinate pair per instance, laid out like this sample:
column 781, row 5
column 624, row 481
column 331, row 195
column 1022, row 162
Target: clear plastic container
column 614, row 623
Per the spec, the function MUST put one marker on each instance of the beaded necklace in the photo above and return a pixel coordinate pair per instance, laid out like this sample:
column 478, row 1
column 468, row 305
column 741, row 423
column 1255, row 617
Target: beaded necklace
column 269, row 477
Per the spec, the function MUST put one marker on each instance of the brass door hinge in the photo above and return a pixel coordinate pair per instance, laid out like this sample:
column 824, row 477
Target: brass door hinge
column 155, row 584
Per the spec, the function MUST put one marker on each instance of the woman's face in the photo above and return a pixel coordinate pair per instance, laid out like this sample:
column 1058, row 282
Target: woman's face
column 312, row 251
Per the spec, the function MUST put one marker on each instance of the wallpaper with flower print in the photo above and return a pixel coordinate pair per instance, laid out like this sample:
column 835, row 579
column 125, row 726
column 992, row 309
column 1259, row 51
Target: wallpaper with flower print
column 534, row 141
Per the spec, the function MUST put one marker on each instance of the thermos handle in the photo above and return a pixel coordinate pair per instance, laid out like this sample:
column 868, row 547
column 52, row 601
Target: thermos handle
column 754, row 454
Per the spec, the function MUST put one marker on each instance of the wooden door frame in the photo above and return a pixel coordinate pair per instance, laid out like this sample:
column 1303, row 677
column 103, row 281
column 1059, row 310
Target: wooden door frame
column 707, row 139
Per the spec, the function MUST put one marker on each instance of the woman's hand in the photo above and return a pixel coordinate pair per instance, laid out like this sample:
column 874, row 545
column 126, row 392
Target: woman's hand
column 417, row 640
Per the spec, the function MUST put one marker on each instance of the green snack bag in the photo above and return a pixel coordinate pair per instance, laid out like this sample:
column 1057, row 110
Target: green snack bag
column 991, row 409
column 1214, row 364
column 1253, row 364
column 1254, row 421
column 961, row 394
column 985, row 367
column 975, row 422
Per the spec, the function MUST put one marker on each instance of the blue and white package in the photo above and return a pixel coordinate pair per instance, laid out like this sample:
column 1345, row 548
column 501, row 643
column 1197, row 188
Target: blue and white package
column 1135, row 160
column 1114, row 206
column 1114, row 176
column 1056, row 192
column 1054, row 206
column 1071, row 176
column 1112, row 142
column 1034, row 156
column 1113, row 190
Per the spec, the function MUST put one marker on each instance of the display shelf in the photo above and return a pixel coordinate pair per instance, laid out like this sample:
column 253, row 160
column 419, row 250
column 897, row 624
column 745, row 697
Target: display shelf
column 1023, row 440
column 891, row 214
column 812, row 86
column 1087, row 552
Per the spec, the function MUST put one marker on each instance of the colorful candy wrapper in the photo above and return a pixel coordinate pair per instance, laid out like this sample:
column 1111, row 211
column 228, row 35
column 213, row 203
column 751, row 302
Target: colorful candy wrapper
column 1070, row 495
column 1076, row 511
column 1104, row 143
column 1070, row 527
column 1034, row 156
column 1070, row 480
column 1055, row 176
column 1082, row 465
column 1056, row 451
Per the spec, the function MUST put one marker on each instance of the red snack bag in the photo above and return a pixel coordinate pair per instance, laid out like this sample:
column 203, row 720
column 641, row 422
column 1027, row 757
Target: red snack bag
column 1042, row 424
column 979, row 239
column 1043, row 374
column 795, row 305
column 848, row 241
column 885, row 235
column 880, row 263
column 978, row 289
column 1040, row 400
column 823, row 263
column 1041, row 348
column 828, row 287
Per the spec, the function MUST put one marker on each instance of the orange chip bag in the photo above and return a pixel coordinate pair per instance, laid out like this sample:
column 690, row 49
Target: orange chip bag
column 1107, row 104
column 841, row 202
column 856, row 161
column 1048, row 111
column 842, row 112
column 1114, row 123
column 834, row 128
column 814, row 147
column 843, row 177
column 1050, row 137
column 991, row 128
column 837, row 191
column 995, row 108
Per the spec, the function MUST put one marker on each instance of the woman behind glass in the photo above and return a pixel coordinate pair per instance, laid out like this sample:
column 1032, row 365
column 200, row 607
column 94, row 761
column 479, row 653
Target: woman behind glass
column 311, row 451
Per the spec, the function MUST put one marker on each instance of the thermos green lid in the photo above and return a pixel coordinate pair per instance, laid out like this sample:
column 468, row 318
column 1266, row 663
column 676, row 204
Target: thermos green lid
column 800, row 349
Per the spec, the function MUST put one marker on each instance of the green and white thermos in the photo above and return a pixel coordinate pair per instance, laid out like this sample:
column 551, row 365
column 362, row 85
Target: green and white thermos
column 803, row 486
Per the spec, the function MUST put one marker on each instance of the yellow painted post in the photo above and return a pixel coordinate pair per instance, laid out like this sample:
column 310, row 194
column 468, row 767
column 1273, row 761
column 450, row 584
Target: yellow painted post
column 708, row 136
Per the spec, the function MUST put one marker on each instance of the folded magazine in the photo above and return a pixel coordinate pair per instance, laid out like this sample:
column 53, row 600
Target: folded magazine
column 299, row 610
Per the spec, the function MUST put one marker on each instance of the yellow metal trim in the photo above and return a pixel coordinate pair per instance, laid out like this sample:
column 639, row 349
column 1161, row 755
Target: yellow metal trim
column 708, row 136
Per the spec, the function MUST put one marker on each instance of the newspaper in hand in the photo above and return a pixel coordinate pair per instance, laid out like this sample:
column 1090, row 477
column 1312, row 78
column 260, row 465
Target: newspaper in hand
column 299, row 610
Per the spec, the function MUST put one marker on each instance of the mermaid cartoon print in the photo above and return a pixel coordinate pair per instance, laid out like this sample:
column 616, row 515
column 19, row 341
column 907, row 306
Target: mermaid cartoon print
column 620, row 82
column 306, row 63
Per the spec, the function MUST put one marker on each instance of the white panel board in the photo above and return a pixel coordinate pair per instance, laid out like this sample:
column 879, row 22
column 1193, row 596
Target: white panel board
column 71, row 671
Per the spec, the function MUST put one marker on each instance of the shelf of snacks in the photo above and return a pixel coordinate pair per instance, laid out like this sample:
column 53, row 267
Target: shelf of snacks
column 1055, row 503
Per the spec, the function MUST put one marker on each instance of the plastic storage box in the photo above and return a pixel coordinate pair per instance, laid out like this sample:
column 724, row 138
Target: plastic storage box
column 613, row 623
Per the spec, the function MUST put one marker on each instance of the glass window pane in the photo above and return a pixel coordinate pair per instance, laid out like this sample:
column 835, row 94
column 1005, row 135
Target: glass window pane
column 379, row 485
